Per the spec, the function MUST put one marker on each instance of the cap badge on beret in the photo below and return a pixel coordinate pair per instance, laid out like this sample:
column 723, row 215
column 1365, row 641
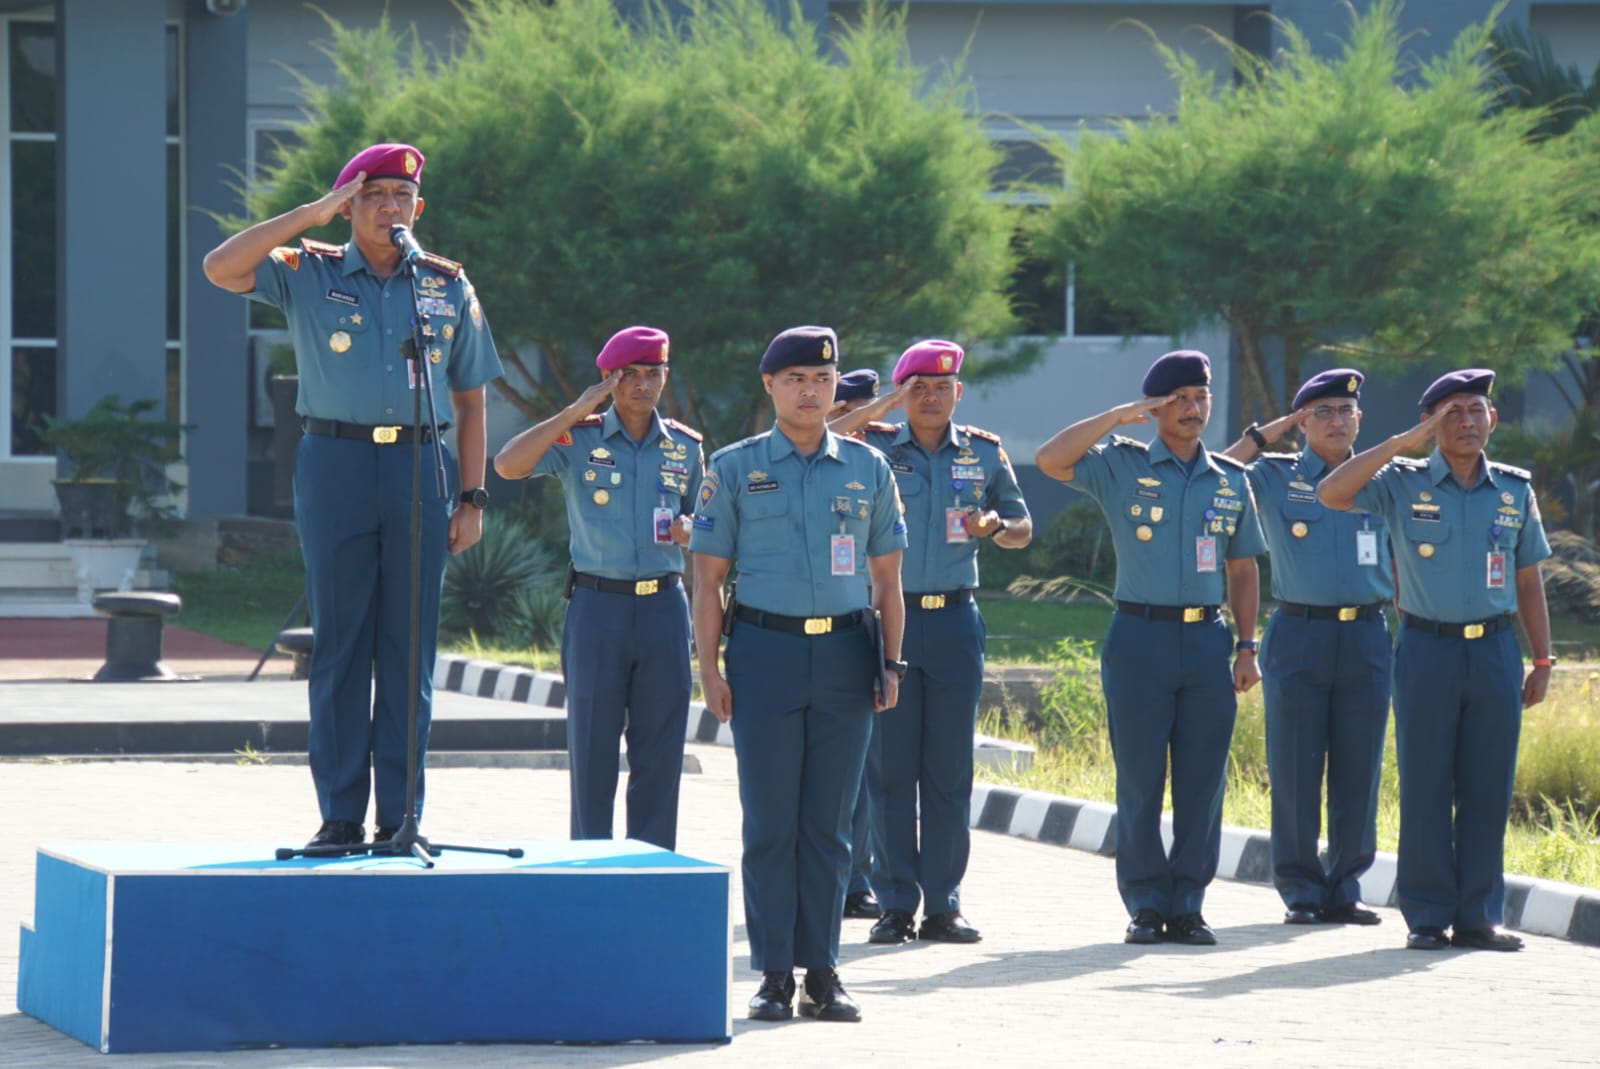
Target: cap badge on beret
column 1353, row 385
column 946, row 361
column 409, row 163
column 827, row 351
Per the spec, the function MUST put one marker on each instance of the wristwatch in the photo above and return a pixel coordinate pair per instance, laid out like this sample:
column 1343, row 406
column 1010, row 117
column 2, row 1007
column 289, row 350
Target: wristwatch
column 478, row 499
column 1245, row 644
column 1253, row 433
column 899, row 668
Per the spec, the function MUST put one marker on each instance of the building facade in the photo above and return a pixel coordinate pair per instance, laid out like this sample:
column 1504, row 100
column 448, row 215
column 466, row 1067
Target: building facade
column 132, row 125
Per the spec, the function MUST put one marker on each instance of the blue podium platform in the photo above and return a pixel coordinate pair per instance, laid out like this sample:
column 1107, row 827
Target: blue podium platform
column 164, row 947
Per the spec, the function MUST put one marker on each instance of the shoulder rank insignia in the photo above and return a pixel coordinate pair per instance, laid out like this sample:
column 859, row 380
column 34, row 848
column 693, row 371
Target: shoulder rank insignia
column 685, row 430
column 435, row 262
column 322, row 248
column 1410, row 463
column 979, row 432
column 1232, row 463
column 880, row 427
column 1287, row 458
column 1520, row 473
column 586, row 421
column 289, row 258
column 1127, row 443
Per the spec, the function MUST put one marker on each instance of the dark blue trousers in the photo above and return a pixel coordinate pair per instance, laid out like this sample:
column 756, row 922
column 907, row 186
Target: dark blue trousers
column 1326, row 688
column 352, row 506
column 861, row 832
column 1457, row 717
column 626, row 664
column 924, row 749
column 1169, row 689
column 802, row 714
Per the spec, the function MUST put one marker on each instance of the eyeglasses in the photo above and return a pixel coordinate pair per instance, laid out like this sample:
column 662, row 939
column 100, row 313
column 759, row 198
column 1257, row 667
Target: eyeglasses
column 1329, row 411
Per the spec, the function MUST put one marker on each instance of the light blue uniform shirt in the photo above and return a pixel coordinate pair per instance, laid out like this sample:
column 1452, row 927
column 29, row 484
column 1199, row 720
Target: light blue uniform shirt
column 347, row 326
column 775, row 512
column 1444, row 534
column 1313, row 547
column 968, row 470
column 613, row 485
column 1158, row 510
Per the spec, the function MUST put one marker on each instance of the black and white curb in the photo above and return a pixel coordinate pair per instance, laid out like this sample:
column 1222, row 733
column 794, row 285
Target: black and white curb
column 1541, row 907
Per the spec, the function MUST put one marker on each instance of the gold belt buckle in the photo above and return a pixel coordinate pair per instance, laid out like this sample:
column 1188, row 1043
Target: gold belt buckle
column 819, row 625
column 1193, row 614
column 933, row 601
column 1472, row 631
column 386, row 435
column 1348, row 613
column 646, row 586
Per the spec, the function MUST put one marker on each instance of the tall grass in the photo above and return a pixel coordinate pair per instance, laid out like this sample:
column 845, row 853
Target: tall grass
column 1555, row 828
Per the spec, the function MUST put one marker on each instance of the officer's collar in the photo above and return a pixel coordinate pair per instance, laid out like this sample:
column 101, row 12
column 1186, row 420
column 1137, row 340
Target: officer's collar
column 1160, row 452
column 906, row 434
column 779, row 445
column 353, row 260
column 611, row 424
column 1439, row 469
column 1312, row 464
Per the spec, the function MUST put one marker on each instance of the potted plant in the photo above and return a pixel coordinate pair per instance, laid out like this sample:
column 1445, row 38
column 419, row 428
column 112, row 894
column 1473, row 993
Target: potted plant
column 117, row 480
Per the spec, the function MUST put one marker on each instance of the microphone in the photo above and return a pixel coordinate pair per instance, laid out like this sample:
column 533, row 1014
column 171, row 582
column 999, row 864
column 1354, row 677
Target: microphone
column 400, row 237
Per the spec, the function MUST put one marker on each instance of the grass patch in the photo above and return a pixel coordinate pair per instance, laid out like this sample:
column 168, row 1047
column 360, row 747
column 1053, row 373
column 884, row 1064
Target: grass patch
column 1023, row 631
column 1555, row 828
column 245, row 607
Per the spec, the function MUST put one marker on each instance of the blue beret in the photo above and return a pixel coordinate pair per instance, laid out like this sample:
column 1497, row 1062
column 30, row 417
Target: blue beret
column 857, row 385
column 801, row 347
column 1339, row 382
column 1174, row 371
column 1467, row 380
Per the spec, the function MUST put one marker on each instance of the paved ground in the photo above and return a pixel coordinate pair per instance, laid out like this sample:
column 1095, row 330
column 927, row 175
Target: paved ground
column 75, row 649
column 1052, row 983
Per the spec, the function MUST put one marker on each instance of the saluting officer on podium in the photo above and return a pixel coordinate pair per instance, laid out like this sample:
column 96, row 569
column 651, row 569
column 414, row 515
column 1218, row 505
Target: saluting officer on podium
column 810, row 517
column 1468, row 542
column 1181, row 518
column 1325, row 660
column 628, row 475
column 958, row 487
column 349, row 309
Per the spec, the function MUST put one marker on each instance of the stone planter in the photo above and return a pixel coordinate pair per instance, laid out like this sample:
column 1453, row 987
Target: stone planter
column 104, row 564
column 88, row 506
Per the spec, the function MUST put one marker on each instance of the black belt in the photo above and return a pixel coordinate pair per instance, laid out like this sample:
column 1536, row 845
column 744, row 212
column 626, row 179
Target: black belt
column 938, row 601
column 1478, row 630
column 798, row 625
column 637, row 587
column 1188, row 614
column 389, row 434
column 1343, row 613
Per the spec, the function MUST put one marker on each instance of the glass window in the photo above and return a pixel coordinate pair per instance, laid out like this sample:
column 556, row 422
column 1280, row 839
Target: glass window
column 33, row 239
column 33, row 392
column 1039, row 304
column 32, row 50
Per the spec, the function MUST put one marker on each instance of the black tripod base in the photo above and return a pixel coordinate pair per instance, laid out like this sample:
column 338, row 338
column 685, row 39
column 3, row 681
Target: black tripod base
column 407, row 842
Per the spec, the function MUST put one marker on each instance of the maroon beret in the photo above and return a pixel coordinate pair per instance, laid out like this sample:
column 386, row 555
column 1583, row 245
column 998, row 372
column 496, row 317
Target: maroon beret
column 388, row 160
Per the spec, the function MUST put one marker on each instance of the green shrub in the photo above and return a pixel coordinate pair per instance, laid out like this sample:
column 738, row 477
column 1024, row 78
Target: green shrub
column 482, row 585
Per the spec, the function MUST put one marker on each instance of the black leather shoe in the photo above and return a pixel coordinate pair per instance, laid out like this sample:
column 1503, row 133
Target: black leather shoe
column 862, row 906
column 1144, row 928
column 1485, row 939
column 1351, row 913
column 1191, row 930
column 949, row 927
column 1302, row 913
column 775, row 1000
column 383, row 834
column 896, row 926
column 1427, row 938
column 338, row 833
column 825, row 998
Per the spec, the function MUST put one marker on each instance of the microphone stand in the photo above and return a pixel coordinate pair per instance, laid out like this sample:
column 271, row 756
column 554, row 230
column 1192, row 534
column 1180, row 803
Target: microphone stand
column 408, row 840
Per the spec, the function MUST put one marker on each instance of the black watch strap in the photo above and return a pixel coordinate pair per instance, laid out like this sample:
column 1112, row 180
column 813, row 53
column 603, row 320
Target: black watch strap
column 1253, row 433
column 899, row 668
column 478, row 499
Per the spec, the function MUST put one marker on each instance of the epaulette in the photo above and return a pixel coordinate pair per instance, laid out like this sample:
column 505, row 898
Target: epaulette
column 1510, row 469
column 438, row 263
column 878, row 426
column 743, row 443
column 593, row 420
column 1230, row 461
column 1410, row 463
column 1286, row 458
column 979, row 432
column 684, row 429
column 322, row 248
column 1128, row 443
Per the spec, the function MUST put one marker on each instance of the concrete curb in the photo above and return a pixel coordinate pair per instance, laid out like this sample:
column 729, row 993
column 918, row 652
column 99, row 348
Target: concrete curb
column 1540, row 907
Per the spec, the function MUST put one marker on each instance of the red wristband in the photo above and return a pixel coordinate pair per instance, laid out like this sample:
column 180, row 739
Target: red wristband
column 1543, row 662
